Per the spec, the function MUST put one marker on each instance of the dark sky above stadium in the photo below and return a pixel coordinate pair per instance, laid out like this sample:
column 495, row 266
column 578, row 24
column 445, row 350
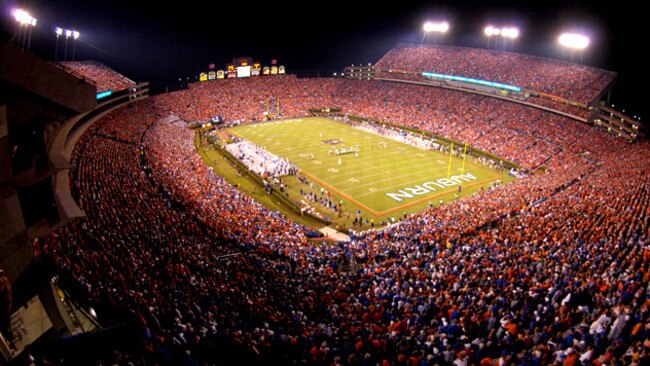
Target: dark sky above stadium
column 163, row 41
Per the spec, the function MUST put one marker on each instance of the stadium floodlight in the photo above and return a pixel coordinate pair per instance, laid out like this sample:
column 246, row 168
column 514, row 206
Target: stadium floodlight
column 510, row 32
column 434, row 27
column 574, row 41
column 58, row 31
column 18, row 14
column 504, row 32
column 491, row 31
column 24, row 19
column 437, row 27
column 442, row 27
column 75, row 34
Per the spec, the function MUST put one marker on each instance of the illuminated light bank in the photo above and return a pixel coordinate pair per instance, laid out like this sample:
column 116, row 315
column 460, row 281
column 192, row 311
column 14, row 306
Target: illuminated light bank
column 472, row 81
column 104, row 94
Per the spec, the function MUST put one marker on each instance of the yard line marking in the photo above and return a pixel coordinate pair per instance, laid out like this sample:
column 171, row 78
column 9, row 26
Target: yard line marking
column 368, row 209
column 394, row 173
column 393, row 163
column 387, row 168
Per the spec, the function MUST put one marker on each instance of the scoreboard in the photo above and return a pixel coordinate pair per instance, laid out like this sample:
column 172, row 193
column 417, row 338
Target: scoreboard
column 243, row 71
column 242, row 67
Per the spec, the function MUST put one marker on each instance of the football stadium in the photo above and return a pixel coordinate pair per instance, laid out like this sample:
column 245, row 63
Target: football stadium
column 443, row 205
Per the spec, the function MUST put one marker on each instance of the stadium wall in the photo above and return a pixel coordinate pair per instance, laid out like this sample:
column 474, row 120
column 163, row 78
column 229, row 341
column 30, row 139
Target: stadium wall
column 35, row 98
column 45, row 80
column 43, row 111
column 65, row 138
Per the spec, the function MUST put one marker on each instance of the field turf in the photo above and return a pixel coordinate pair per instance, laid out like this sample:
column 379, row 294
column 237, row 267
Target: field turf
column 387, row 177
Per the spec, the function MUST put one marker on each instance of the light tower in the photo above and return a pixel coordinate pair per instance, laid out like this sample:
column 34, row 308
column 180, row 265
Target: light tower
column 574, row 41
column 75, row 35
column 68, row 33
column 435, row 28
column 59, row 32
column 505, row 33
column 25, row 20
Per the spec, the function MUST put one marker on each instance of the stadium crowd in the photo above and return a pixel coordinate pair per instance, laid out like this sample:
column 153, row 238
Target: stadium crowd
column 101, row 75
column 485, row 123
column 567, row 80
column 553, row 268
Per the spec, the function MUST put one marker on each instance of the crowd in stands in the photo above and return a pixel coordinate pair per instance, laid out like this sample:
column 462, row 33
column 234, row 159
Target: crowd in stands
column 568, row 80
column 562, row 106
column 247, row 100
column 485, row 123
column 553, row 268
column 101, row 75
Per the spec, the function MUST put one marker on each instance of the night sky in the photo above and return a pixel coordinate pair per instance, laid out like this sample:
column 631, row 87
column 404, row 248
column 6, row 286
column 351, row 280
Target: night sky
column 160, row 42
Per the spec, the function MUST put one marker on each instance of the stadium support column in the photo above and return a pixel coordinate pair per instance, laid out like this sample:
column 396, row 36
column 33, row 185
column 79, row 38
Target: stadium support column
column 451, row 149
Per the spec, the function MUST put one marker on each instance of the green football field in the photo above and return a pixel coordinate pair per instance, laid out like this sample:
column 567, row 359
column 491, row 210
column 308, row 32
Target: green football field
column 385, row 178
